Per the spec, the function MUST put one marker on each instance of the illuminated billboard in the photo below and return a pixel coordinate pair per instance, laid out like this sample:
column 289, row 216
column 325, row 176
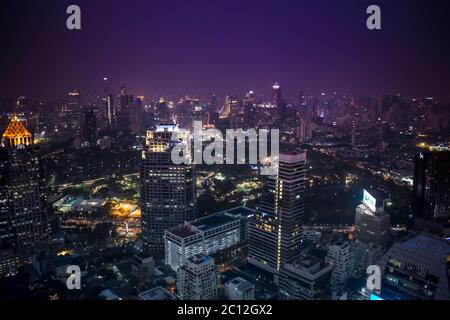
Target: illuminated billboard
column 375, row 297
column 369, row 201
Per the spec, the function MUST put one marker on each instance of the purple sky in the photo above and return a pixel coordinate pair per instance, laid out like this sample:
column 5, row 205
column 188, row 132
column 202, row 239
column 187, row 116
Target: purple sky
column 201, row 47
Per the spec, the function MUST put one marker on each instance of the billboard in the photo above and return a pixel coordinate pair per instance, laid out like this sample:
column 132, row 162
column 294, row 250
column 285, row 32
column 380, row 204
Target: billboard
column 375, row 297
column 369, row 201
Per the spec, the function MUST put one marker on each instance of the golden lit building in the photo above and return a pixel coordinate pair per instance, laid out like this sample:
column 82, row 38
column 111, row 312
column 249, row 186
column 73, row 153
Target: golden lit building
column 23, row 203
column 16, row 134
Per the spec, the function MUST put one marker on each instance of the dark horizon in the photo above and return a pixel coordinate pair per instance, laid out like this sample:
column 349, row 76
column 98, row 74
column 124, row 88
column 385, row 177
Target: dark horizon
column 200, row 48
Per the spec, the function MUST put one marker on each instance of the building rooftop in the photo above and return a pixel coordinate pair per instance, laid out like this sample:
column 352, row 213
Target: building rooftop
column 221, row 218
column 427, row 243
column 307, row 261
column 200, row 259
column 158, row 293
column 241, row 284
column 183, row 231
column 212, row 221
column 16, row 133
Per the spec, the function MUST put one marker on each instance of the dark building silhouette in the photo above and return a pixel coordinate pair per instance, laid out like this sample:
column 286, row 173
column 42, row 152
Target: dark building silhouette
column 90, row 128
column 431, row 198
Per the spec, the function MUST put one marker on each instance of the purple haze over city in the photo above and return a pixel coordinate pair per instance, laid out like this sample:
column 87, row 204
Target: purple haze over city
column 171, row 48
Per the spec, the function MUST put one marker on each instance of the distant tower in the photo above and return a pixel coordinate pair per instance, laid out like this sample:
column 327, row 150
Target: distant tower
column 276, row 95
column 198, row 279
column 90, row 128
column 276, row 229
column 110, row 111
column 123, row 113
column 167, row 190
column 74, row 100
column 23, row 202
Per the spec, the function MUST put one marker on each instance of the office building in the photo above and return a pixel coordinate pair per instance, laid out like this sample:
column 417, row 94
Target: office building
column 9, row 263
column 219, row 232
column 306, row 279
column 167, row 190
column 142, row 267
column 340, row 257
column 371, row 222
column 240, row 289
column 366, row 255
column 276, row 229
column 198, row 279
column 416, row 268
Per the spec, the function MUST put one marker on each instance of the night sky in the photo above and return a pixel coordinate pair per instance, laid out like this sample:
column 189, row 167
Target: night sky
column 200, row 47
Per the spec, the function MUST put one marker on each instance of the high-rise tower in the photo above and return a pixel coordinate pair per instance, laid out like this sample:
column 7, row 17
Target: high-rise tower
column 23, row 203
column 167, row 190
column 276, row 229
column 90, row 128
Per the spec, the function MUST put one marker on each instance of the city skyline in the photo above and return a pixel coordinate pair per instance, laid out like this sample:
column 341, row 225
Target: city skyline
column 224, row 150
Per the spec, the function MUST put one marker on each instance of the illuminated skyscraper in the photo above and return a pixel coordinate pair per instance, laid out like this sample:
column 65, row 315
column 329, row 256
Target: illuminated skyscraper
column 110, row 111
column 23, row 203
column 276, row 95
column 167, row 190
column 276, row 229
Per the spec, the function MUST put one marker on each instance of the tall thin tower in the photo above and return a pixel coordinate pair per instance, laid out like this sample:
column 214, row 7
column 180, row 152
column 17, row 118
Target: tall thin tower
column 276, row 229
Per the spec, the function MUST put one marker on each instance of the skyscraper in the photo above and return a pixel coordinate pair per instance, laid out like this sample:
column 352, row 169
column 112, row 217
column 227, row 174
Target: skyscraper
column 110, row 111
column 122, row 113
column 167, row 190
column 23, row 202
column 431, row 198
column 276, row 229
column 198, row 279
column 276, row 95
column 90, row 128
column 306, row 279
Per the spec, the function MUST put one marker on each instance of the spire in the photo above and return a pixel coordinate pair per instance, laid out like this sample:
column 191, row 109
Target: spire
column 16, row 134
